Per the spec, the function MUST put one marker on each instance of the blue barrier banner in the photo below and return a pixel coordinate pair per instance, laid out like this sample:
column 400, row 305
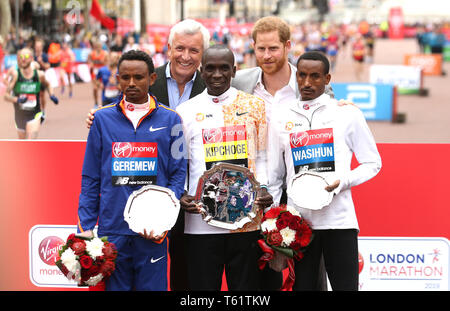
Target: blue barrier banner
column 10, row 61
column 81, row 55
column 375, row 100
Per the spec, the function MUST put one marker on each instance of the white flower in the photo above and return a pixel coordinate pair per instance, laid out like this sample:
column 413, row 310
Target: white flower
column 94, row 247
column 269, row 225
column 69, row 259
column 292, row 210
column 288, row 236
column 93, row 280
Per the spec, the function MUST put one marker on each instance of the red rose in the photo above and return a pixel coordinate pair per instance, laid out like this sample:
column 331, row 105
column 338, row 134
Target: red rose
column 286, row 215
column 283, row 220
column 93, row 270
column 296, row 244
column 99, row 259
column 107, row 268
column 305, row 234
column 273, row 212
column 86, row 261
column 88, row 273
column 295, row 223
column 274, row 238
column 73, row 239
column 305, row 240
column 78, row 248
column 110, row 251
column 282, row 223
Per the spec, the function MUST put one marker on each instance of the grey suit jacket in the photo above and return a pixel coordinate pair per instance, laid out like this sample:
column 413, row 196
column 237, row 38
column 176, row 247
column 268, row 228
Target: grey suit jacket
column 246, row 79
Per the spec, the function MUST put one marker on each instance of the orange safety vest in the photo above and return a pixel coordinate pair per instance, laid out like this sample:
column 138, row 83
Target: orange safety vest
column 54, row 53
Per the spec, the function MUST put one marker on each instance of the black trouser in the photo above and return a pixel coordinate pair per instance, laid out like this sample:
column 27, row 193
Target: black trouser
column 340, row 253
column 178, row 261
column 209, row 254
column 273, row 280
column 436, row 49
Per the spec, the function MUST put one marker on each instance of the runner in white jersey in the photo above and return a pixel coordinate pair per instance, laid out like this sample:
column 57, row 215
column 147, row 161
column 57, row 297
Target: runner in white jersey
column 220, row 108
column 314, row 134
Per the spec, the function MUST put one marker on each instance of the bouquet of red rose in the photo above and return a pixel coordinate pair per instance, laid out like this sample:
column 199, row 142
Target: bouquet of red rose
column 87, row 260
column 286, row 236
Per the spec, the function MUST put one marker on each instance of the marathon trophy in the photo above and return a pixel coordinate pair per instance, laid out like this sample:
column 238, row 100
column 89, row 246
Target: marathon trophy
column 307, row 190
column 227, row 193
column 151, row 207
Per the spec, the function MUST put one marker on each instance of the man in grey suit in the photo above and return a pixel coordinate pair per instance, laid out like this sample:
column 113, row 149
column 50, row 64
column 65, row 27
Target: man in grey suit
column 273, row 80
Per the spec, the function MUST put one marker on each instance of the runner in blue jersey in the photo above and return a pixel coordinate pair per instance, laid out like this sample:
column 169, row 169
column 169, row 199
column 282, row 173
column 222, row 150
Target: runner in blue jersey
column 142, row 130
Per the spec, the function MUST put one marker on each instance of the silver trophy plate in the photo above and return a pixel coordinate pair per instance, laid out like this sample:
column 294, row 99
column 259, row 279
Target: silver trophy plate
column 151, row 208
column 227, row 193
column 307, row 190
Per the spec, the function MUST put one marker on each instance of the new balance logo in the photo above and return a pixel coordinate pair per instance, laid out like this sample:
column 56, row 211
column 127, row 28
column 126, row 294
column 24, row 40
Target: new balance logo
column 122, row 180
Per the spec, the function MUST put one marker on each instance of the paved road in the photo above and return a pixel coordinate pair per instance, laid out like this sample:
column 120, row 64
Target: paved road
column 427, row 118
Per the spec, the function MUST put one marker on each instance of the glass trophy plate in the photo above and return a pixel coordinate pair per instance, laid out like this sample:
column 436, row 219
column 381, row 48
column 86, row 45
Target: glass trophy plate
column 151, row 208
column 307, row 190
column 227, row 193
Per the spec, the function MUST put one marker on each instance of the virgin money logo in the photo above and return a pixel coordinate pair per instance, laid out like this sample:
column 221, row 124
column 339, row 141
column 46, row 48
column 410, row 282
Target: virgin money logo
column 299, row 139
column 122, row 150
column 49, row 249
column 212, row 135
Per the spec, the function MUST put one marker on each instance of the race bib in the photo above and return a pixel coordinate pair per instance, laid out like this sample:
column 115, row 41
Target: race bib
column 225, row 144
column 134, row 164
column 313, row 150
column 31, row 102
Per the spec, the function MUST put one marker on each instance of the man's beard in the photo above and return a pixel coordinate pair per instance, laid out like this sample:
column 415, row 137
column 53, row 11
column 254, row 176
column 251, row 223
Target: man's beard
column 274, row 67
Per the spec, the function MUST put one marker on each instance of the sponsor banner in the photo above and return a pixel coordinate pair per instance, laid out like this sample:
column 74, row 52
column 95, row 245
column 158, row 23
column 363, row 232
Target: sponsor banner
column 430, row 63
column 313, row 150
column 134, row 163
column 376, row 101
column 406, row 264
column 396, row 24
column 10, row 61
column 44, row 243
column 225, row 144
column 407, row 79
column 402, row 196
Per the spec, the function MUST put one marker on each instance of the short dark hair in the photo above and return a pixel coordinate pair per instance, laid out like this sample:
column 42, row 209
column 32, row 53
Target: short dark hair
column 316, row 55
column 218, row 47
column 137, row 55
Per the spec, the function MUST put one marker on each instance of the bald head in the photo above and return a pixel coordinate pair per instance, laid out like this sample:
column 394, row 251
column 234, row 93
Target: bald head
column 219, row 49
column 217, row 69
